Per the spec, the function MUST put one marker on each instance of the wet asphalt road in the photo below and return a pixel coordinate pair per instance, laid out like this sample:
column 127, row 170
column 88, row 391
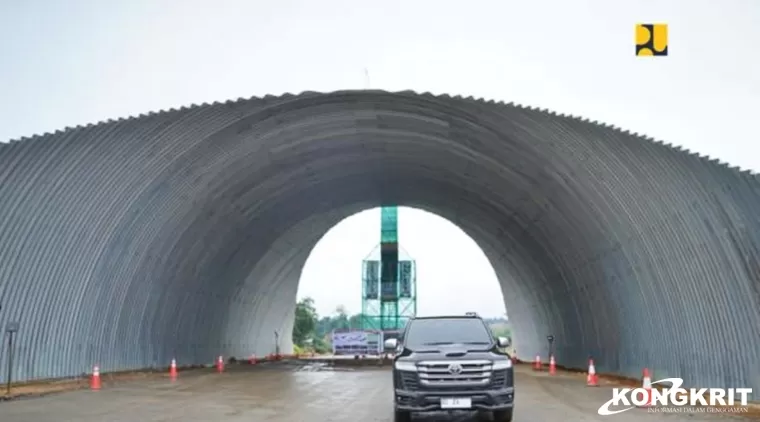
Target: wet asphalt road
column 286, row 393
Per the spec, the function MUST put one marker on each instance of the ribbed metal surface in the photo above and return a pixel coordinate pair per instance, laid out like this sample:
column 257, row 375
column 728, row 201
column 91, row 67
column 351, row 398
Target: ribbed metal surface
column 183, row 233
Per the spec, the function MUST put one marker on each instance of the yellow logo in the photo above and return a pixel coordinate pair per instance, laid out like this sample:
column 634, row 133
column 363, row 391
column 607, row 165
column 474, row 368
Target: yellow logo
column 651, row 39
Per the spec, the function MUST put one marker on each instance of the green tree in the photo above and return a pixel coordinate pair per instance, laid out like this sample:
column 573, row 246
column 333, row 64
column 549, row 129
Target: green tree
column 324, row 326
column 355, row 322
column 500, row 327
column 321, row 345
column 305, row 323
column 340, row 320
column 501, row 331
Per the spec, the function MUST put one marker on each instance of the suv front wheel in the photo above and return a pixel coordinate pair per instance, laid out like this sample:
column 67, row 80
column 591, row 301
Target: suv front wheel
column 402, row 416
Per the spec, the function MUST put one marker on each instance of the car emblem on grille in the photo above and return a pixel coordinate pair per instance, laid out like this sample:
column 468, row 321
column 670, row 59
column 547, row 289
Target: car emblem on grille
column 455, row 368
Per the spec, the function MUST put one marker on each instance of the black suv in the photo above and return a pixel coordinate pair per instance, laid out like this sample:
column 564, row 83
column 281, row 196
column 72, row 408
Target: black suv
column 451, row 363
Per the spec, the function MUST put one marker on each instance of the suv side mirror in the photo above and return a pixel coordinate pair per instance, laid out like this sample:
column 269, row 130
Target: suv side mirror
column 390, row 345
column 503, row 342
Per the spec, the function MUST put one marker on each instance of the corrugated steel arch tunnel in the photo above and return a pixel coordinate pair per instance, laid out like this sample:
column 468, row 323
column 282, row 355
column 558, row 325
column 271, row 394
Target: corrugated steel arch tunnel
column 183, row 233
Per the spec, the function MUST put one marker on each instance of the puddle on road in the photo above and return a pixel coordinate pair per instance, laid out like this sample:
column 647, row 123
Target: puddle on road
column 322, row 367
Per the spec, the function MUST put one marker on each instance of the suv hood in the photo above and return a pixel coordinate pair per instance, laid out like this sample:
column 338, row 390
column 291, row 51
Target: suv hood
column 452, row 351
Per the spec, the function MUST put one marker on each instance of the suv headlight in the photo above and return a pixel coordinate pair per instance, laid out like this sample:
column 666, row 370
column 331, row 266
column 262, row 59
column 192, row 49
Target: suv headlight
column 406, row 366
column 501, row 364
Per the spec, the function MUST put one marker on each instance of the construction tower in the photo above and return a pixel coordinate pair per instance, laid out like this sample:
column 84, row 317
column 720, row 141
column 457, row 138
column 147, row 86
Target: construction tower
column 389, row 288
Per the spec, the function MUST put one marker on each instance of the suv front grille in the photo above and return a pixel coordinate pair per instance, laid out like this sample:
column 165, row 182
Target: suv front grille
column 470, row 373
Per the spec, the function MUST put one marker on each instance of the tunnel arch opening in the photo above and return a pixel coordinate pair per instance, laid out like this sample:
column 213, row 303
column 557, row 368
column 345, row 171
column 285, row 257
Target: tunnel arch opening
column 183, row 233
column 452, row 275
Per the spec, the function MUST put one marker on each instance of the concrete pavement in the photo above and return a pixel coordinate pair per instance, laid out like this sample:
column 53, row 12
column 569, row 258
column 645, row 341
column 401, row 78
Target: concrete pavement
column 290, row 392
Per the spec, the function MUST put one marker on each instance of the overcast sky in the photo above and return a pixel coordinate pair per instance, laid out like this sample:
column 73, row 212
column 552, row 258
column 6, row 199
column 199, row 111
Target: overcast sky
column 74, row 62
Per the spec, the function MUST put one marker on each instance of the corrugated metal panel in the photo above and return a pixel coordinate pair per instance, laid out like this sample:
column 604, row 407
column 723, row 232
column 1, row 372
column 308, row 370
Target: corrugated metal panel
column 183, row 233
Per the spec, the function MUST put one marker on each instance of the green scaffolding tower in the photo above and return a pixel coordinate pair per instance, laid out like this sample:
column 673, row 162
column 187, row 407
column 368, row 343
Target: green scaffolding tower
column 389, row 280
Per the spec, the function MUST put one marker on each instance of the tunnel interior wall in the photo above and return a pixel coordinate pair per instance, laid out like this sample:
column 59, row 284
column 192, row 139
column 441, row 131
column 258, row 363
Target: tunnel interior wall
column 182, row 234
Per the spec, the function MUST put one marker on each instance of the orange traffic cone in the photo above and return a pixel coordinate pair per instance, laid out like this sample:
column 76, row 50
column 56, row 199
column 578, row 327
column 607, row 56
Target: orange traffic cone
column 646, row 384
column 173, row 370
column 552, row 365
column 592, row 380
column 537, row 363
column 220, row 365
column 95, row 380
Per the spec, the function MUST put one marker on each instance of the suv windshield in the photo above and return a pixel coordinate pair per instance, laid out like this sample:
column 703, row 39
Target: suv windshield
column 441, row 331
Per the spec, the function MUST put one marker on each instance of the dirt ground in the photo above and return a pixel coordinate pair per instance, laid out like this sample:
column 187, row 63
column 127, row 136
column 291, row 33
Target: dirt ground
column 292, row 392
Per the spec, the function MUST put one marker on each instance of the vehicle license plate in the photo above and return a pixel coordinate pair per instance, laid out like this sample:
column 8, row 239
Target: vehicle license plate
column 456, row 403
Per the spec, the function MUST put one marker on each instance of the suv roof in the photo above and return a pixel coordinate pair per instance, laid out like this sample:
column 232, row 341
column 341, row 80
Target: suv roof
column 448, row 317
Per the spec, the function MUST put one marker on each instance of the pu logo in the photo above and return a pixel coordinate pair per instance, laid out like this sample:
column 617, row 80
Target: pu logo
column 651, row 39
